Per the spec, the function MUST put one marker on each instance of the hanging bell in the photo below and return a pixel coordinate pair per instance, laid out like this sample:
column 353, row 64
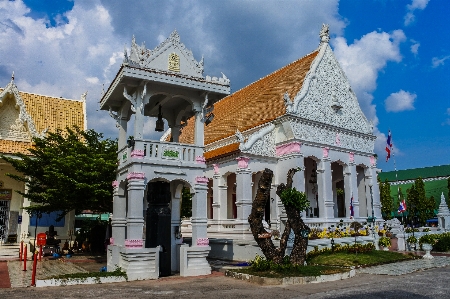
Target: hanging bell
column 159, row 122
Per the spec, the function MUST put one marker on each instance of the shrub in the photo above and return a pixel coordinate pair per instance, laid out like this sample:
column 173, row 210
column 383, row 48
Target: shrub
column 429, row 239
column 384, row 241
column 443, row 244
column 411, row 240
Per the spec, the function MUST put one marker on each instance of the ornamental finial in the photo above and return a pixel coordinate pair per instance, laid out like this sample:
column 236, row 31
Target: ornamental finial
column 324, row 34
column 12, row 76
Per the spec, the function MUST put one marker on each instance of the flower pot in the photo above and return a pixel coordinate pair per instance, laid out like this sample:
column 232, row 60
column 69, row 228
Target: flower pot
column 427, row 247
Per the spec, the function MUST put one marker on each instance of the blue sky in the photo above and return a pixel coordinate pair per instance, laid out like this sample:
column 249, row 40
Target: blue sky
column 395, row 53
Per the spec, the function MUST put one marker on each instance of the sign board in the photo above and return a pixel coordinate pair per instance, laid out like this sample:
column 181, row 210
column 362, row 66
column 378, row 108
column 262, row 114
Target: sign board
column 19, row 219
column 41, row 239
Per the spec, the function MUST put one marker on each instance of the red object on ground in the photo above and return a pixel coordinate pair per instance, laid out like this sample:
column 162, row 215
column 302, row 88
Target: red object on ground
column 25, row 258
column 33, row 273
column 4, row 276
column 41, row 239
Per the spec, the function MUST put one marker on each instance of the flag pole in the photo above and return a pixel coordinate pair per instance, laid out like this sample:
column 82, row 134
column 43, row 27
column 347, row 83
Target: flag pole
column 396, row 179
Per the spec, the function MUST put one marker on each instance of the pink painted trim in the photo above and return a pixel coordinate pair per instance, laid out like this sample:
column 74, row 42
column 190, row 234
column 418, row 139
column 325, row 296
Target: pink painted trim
column 139, row 154
column 216, row 168
column 351, row 157
column 372, row 160
column 288, row 148
column 243, row 162
column 325, row 152
column 201, row 180
column 115, row 184
column 136, row 176
column 134, row 243
column 111, row 241
column 202, row 242
column 200, row 160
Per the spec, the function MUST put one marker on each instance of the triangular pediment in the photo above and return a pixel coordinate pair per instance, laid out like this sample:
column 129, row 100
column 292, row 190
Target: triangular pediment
column 327, row 97
column 15, row 123
column 170, row 56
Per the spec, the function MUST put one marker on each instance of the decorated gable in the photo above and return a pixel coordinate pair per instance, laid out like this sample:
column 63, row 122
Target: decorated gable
column 171, row 56
column 326, row 96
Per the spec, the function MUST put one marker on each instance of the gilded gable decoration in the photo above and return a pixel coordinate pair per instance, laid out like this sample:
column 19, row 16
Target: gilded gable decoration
column 174, row 62
column 17, row 130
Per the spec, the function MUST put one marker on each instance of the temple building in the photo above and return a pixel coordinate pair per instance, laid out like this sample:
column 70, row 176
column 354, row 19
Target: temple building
column 304, row 115
column 24, row 116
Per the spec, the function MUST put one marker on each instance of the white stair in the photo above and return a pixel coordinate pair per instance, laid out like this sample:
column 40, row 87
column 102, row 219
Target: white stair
column 9, row 251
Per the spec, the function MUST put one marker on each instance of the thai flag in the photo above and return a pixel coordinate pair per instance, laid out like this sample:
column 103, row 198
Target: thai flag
column 402, row 207
column 352, row 213
column 388, row 146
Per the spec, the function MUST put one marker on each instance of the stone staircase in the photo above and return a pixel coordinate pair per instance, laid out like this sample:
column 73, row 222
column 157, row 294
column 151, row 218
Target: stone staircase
column 9, row 251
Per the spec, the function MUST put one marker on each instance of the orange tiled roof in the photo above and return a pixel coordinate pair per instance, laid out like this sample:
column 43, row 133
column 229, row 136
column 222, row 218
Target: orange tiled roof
column 222, row 151
column 47, row 112
column 253, row 105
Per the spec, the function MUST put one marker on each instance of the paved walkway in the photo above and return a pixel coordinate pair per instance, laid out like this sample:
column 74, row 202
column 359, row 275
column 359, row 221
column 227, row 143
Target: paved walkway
column 406, row 267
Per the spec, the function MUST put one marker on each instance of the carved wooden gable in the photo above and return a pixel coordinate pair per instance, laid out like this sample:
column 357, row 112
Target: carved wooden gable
column 171, row 55
column 326, row 96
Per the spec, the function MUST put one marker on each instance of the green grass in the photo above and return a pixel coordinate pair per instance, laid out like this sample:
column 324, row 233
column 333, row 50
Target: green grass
column 328, row 263
column 117, row 272
column 344, row 259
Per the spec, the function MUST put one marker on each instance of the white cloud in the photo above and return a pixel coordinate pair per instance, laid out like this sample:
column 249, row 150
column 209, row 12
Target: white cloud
column 435, row 62
column 92, row 80
column 416, row 4
column 447, row 120
column 415, row 47
column 400, row 101
column 362, row 61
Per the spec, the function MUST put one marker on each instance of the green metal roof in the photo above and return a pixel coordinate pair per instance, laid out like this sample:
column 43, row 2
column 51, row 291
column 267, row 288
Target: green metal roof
column 412, row 174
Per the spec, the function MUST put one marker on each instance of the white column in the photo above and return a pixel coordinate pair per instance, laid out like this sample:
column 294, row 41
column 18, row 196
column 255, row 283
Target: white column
column 376, row 193
column 351, row 189
column 199, row 129
column 368, row 185
column 175, row 226
column 122, row 133
column 325, row 192
column 118, row 221
column 243, row 189
column 219, row 197
column 139, row 117
column 135, row 217
column 199, row 211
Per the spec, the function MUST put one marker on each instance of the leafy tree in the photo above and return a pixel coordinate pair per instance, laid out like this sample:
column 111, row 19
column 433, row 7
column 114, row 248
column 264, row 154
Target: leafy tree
column 419, row 205
column 386, row 200
column 68, row 170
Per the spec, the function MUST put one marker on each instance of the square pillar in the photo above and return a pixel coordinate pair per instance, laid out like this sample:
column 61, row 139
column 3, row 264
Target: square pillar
column 243, row 189
column 199, row 211
column 135, row 217
column 376, row 193
column 351, row 189
column 219, row 195
column 325, row 191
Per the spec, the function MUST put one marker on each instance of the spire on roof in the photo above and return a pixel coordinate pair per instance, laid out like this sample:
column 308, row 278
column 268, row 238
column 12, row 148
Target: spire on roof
column 12, row 76
column 324, row 34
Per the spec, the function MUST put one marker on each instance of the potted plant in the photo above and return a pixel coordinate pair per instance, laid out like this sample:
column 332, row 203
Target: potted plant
column 384, row 242
column 427, row 242
column 411, row 241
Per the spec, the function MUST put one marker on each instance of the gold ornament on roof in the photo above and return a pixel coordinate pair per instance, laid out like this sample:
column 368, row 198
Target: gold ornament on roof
column 174, row 62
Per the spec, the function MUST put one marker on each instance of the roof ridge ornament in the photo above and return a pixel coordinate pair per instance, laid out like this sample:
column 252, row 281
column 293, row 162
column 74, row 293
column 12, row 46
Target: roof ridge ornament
column 324, row 34
column 12, row 77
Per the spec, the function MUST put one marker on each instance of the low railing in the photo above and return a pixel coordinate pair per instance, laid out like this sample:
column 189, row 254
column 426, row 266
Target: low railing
column 162, row 151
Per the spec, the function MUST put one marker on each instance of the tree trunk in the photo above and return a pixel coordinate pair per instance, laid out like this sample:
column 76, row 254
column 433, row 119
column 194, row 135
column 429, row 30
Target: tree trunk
column 295, row 221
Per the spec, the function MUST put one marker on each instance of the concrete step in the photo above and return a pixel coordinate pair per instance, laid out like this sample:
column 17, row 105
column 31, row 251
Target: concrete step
column 8, row 251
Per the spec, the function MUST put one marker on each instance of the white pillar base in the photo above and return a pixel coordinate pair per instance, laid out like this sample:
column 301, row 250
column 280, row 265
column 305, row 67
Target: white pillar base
column 140, row 263
column 193, row 260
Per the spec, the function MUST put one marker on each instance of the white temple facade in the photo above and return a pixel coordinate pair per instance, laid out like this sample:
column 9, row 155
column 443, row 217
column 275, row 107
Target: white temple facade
column 304, row 115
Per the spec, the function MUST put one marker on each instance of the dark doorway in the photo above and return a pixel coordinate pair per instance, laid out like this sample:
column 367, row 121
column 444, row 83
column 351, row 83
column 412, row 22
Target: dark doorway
column 158, row 223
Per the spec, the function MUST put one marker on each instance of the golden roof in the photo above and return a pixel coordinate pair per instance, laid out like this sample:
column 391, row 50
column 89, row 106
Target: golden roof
column 47, row 112
column 253, row 105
